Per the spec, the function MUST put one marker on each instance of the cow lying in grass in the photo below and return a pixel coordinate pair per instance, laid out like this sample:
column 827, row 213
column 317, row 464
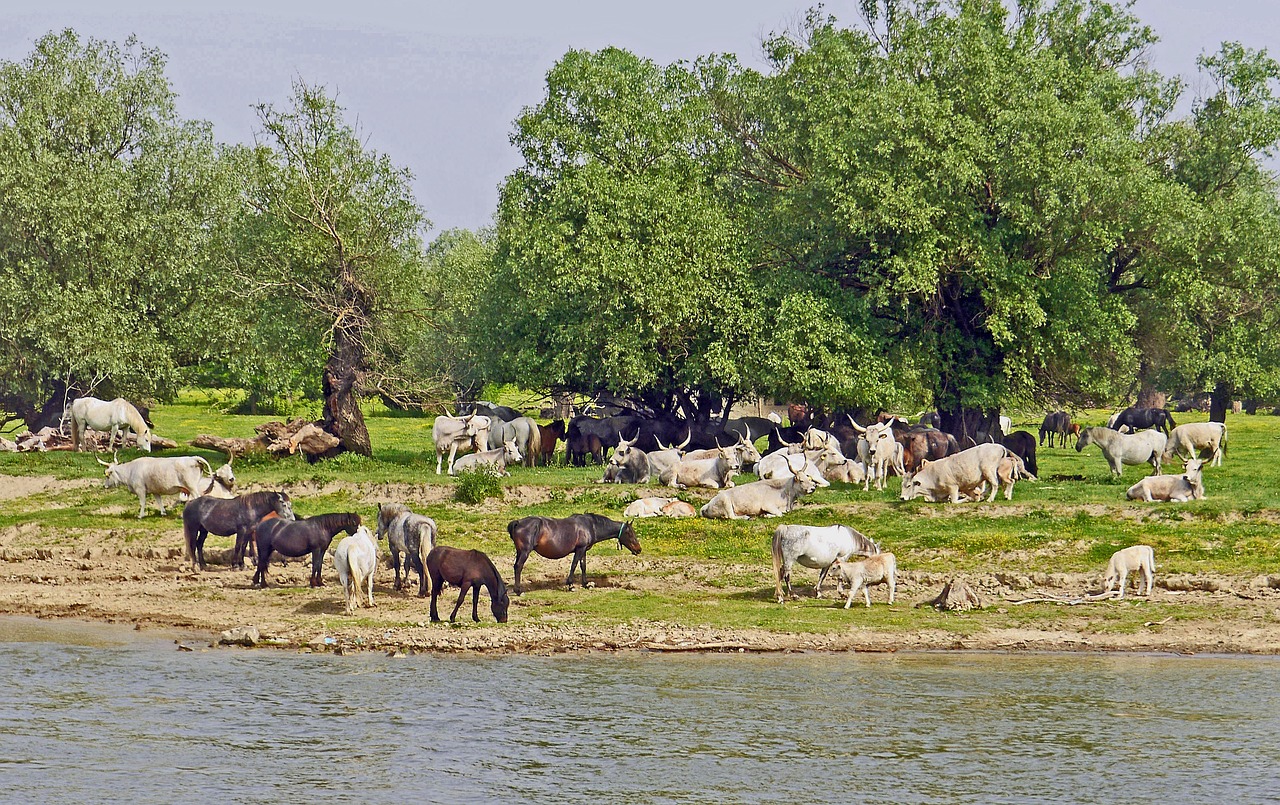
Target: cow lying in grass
column 1172, row 488
column 1136, row 558
column 879, row 569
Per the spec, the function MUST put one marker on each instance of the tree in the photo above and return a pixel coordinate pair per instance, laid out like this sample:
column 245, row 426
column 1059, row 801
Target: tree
column 111, row 205
column 330, row 247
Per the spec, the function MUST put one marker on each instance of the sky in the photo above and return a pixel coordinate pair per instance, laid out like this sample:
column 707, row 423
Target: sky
column 438, row 84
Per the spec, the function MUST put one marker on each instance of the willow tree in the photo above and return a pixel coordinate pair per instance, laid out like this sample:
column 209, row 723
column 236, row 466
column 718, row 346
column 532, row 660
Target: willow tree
column 111, row 205
column 330, row 249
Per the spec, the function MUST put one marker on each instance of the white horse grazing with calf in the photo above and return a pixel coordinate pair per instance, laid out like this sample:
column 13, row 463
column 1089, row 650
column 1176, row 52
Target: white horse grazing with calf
column 815, row 547
column 115, row 417
column 356, row 559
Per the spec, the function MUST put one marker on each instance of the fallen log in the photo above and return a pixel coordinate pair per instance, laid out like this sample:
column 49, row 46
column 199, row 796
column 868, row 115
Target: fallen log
column 275, row 438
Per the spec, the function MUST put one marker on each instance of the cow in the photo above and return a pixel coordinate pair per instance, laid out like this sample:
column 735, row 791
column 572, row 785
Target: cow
column 787, row 465
column 664, row 458
column 627, row 465
column 452, row 432
column 1173, row 488
column 1186, row 441
column 879, row 569
column 749, row 425
column 171, row 475
column 498, row 459
column 659, row 507
column 716, row 473
column 491, row 410
column 1009, row 470
column 1120, row 449
column 947, row 478
column 1023, row 445
column 748, row 455
column 835, row 467
column 770, row 498
column 1140, row 558
column 886, row 454
column 921, row 443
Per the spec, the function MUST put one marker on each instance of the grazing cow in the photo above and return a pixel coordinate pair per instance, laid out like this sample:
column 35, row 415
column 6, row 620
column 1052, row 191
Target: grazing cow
column 548, row 435
column 1056, row 425
column 1172, row 488
column 628, row 465
column 1009, row 470
column 814, row 547
column 770, row 498
column 1023, row 445
column 157, row 476
column 1136, row 419
column 1136, row 558
column 1187, row 441
column 497, row 459
column 452, row 432
column 947, row 478
column 356, row 559
column 1119, row 449
column 716, row 473
column 879, row 569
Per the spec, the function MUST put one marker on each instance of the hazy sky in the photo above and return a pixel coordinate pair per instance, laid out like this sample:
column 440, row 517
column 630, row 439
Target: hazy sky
column 437, row 85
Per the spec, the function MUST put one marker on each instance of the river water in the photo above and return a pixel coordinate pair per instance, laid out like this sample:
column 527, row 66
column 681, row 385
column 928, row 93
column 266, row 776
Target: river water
column 92, row 714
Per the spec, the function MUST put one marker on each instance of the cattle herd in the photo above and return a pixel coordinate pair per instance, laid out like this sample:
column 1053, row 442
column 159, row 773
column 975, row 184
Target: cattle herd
column 932, row 465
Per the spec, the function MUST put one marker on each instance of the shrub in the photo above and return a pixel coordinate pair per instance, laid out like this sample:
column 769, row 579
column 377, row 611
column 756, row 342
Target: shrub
column 478, row 484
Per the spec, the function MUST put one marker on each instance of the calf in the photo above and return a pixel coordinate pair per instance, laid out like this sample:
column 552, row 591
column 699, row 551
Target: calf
column 879, row 569
column 1172, row 488
column 1140, row 558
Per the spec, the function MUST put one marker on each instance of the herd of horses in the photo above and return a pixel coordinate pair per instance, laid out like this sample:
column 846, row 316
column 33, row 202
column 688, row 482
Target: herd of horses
column 264, row 524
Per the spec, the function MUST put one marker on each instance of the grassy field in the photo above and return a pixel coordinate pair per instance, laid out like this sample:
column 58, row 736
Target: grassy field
column 716, row 573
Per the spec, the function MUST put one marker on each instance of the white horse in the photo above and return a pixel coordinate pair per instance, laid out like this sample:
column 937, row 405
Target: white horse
column 1143, row 447
column 115, row 416
column 816, row 547
column 356, row 559
column 408, row 533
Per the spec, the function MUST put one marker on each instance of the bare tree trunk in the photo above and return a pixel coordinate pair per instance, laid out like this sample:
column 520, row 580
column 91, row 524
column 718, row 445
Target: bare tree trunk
column 1220, row 401
column 342, row 416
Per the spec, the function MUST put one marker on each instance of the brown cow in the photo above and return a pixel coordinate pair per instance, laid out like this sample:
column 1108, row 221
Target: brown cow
column 925, row 443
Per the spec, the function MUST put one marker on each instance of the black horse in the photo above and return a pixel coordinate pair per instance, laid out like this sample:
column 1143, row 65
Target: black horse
column 1139, row 418
column 1055, row 425
column 466, row 570
column 226, row 516
column 556, row 538
column 298, row 537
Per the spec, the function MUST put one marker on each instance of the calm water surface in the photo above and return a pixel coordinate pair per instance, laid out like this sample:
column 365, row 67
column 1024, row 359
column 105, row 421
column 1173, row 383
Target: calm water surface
column 95, row 715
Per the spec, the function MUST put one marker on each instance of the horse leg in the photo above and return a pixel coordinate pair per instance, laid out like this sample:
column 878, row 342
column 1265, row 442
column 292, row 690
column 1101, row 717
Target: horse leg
column 395, row 564
column 462, row 596
column 582, row 566
column 822, row 575
column 475, row 602
column 317, row 565
column 260, row 575
column 521, row 558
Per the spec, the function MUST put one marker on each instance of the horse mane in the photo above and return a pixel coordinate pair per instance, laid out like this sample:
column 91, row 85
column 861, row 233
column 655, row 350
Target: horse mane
column 599, row 520
column 256, row 498
column 336, row 520
column 133, row 416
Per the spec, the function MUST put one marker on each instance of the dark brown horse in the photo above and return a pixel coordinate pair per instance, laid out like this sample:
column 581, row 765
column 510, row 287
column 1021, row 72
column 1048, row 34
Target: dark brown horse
column 468, row 571
column 226, row 516
column 1140, row 418
column 556, row 538
column 299, row 537
column 550, row 434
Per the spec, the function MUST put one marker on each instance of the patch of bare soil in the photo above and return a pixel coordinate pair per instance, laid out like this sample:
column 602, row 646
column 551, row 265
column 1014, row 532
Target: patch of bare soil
column 20, row 486
column 103, row 577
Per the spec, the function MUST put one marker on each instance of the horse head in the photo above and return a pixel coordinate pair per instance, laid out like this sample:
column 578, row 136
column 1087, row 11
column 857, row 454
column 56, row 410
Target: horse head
column 627, row 538
column 283, row 507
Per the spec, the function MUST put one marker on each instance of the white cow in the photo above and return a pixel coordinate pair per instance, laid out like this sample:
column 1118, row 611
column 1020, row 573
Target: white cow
column 1136, row 558
column 1186, row 441
column 716, row 473
column 947, row 478
column 1173, row 488
column 454, row 432
column 770, row 498
column 497, row 459
column 169, row 475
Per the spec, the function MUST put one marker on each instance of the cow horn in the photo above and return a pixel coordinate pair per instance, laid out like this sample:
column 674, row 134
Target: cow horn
column 747, row 438
column 855, row 424
column 100, row 461
column 688, row 436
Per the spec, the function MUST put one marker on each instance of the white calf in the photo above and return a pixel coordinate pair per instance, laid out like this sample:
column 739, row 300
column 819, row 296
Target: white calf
column 1140, row 558
column 879, row 569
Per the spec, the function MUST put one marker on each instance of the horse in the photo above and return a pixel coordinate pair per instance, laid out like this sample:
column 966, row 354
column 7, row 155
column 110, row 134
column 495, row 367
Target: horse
column 222, row 516
column 549, row 434
column 412, row 534
column 466, row 570
column 816, row 547
column 556, row 538
column 115, row 416
column 356, row 559
column 1119, row 449
column 1140, row 418
column 1056, row 425
column 298, row 537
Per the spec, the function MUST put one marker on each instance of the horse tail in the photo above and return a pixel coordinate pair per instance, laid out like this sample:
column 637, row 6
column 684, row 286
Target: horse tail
column 777, row 561
column 534, row 448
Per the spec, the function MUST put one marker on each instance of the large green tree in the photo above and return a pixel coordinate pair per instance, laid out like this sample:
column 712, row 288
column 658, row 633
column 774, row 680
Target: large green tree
column 111, row 204
column 329, row 257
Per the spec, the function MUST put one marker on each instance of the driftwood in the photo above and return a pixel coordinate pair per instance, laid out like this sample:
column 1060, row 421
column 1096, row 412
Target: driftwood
column 95, row 441
column 1071, row 602
column 955, row 597
column 277, row 439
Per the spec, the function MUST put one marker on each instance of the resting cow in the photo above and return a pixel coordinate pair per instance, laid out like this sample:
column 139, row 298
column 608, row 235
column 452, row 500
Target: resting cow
column 1171, row 488
column 769, row 498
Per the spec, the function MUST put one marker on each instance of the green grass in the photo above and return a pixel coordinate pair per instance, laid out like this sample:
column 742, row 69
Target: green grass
column 1070, row 521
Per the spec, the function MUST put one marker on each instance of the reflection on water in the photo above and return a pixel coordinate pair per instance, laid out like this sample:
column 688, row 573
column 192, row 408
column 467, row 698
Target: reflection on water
column 121, row 719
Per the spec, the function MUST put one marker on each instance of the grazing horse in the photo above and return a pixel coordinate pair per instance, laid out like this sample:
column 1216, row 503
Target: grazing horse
column 115, row 416
column 816, row 547
column 550, row 434
column 299, row 537
column 466, row 570
column 224, row 517
column 413, row 535
column 556, row 538
column 1056, row 425
column 356, row 559
column 1140, row 418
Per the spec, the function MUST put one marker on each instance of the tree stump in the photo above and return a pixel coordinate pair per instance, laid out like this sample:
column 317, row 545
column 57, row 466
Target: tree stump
column 956, row 596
